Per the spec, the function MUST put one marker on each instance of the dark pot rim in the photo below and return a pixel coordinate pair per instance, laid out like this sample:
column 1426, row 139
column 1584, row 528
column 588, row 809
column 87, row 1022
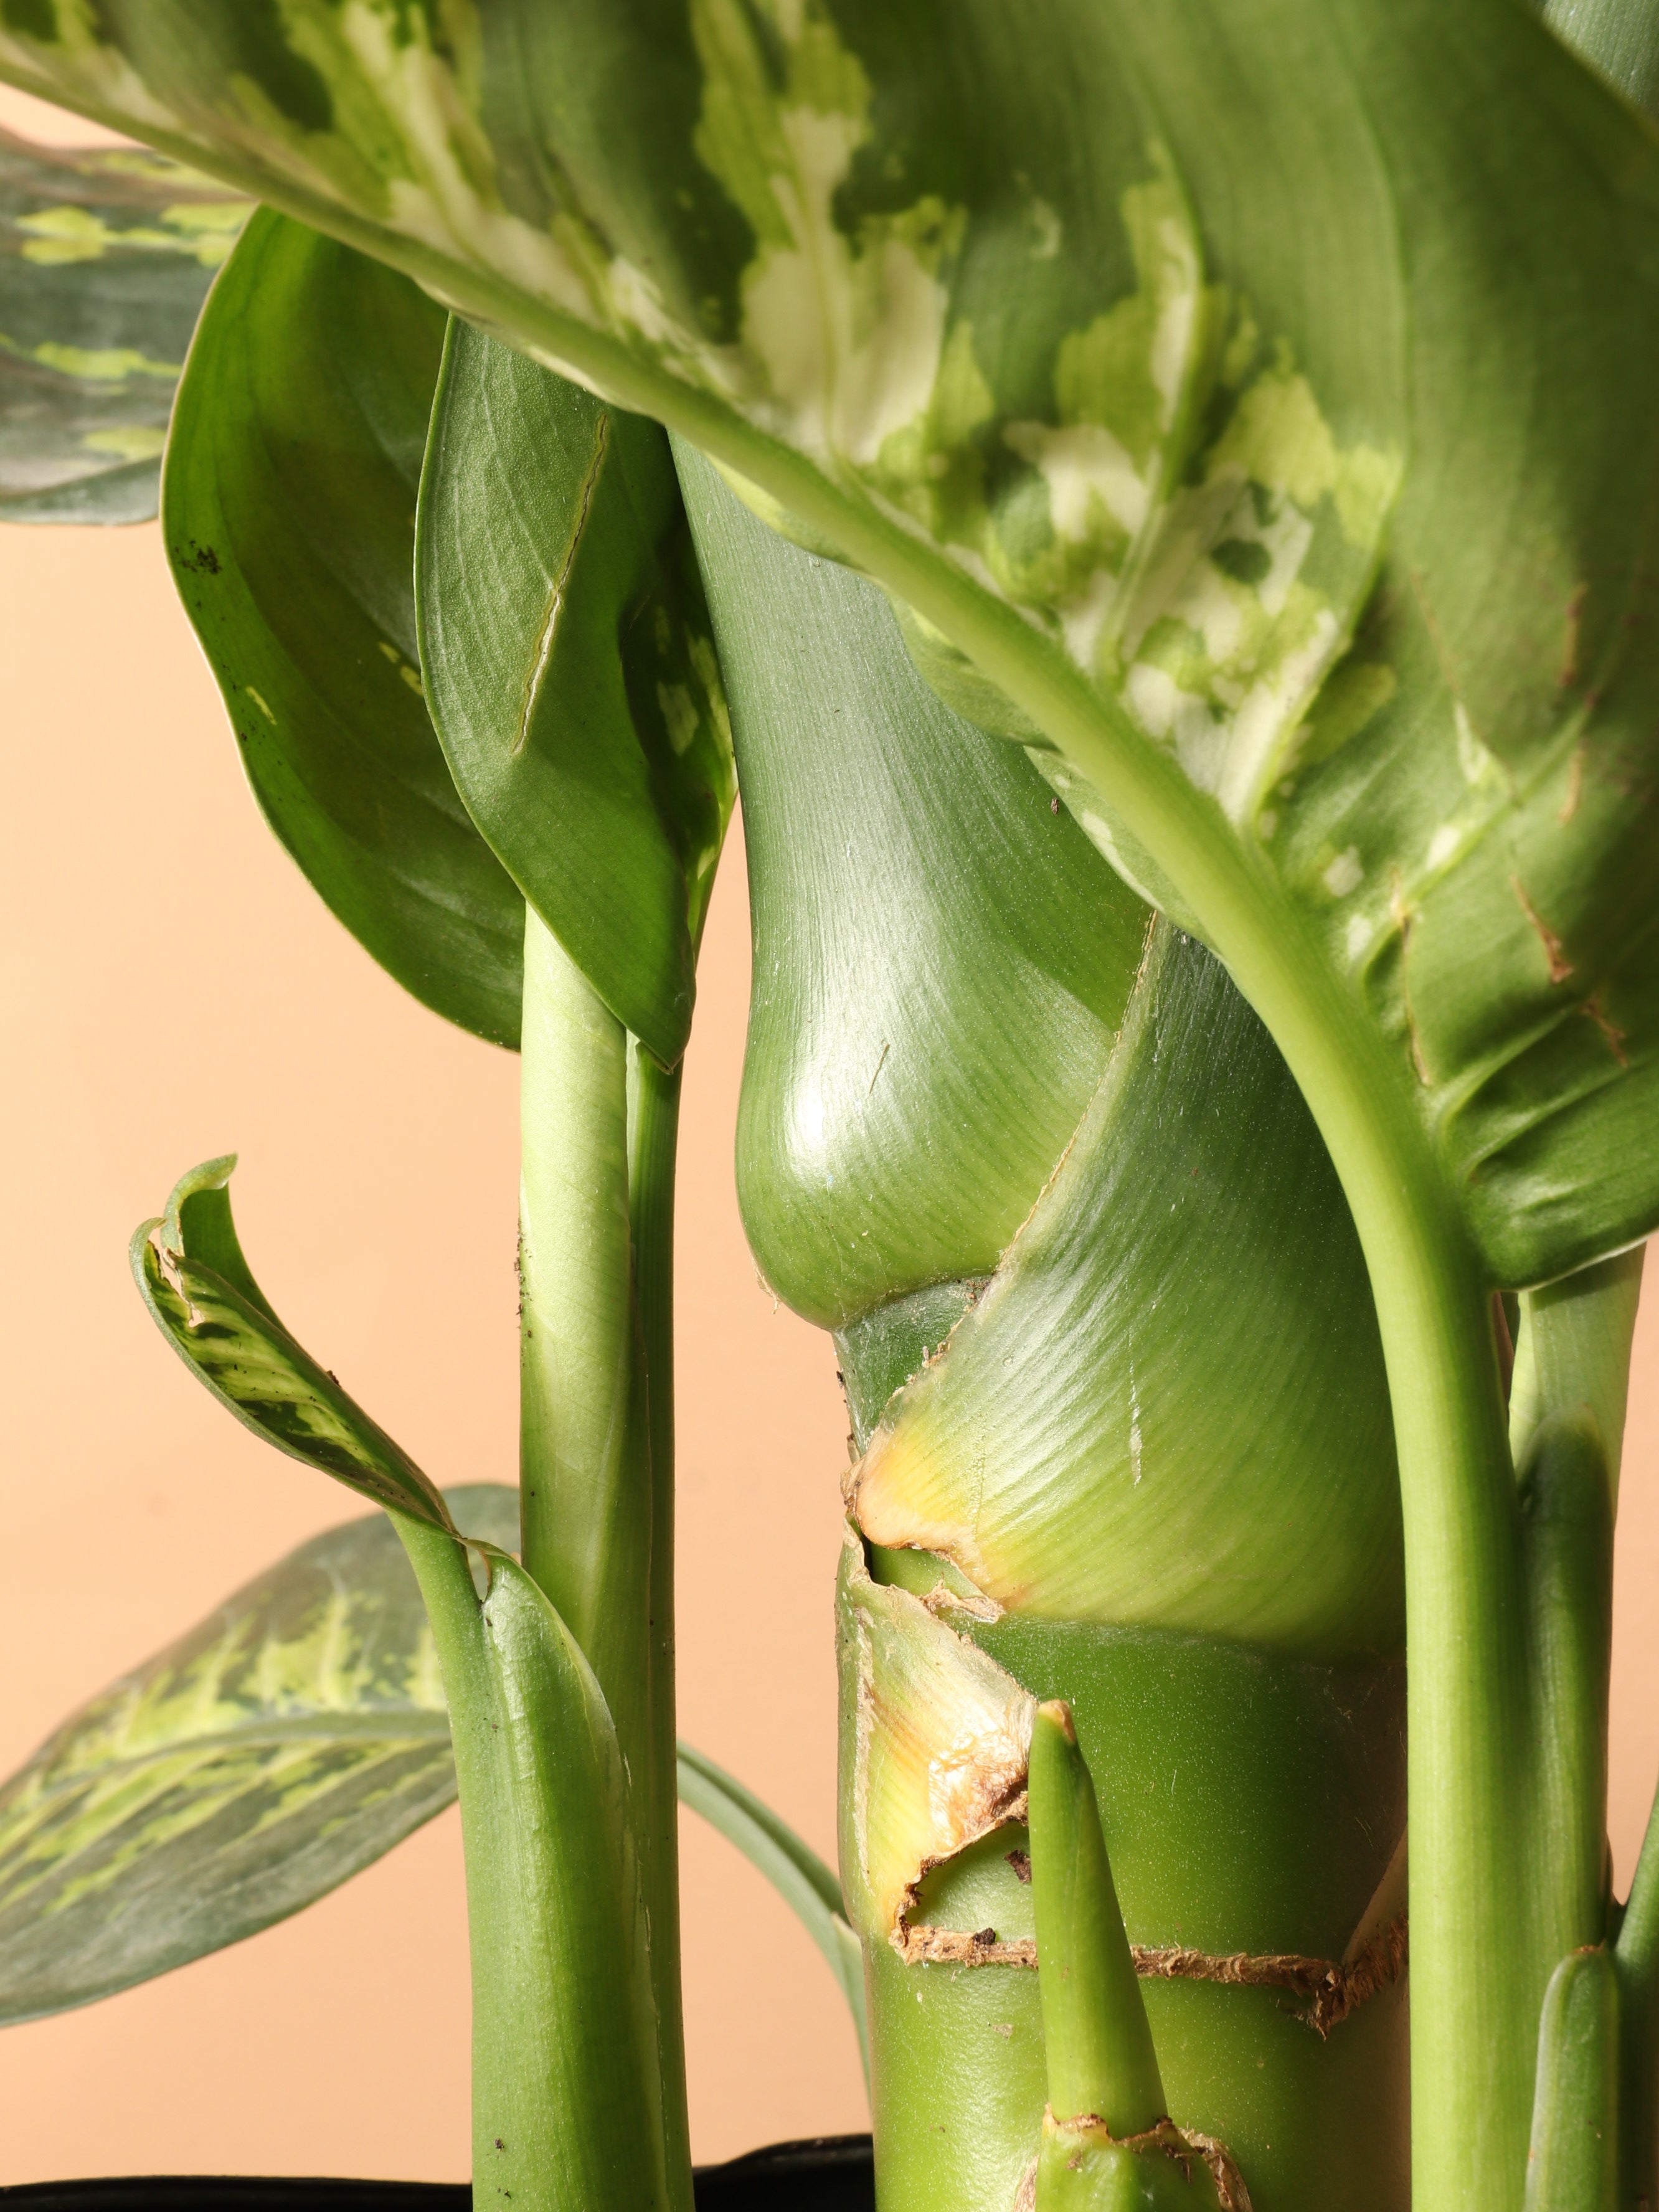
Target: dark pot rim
column 819, row 2173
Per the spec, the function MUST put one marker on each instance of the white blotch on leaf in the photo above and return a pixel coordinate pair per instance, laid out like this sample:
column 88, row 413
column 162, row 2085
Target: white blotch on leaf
column 1344, row 874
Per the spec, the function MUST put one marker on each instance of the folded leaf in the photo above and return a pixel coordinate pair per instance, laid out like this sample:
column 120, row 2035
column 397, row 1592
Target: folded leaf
column 288, row 1742
column 192, row 1276
column 105, row 255
column 289, row 513
column 941, row 958
column 1572, row 2162
column 571, row 671
column 566, row 2065
column 1167, row 1406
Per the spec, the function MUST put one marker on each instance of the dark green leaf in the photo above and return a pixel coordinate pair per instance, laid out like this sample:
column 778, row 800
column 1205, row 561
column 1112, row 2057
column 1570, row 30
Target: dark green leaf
column 105, row 255
column 571, row 674
column 288, row 1741
column 289, row 511
column 193, row 1278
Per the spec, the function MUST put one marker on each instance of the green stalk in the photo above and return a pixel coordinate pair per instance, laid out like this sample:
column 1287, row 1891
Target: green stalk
column 567, row 2114
column 1568, row 1541
column 596, row 1257
column 1101, row 2062
column 654, row 1101
column 584, row 1455
column 1636, row 1961
column 1573, row 1350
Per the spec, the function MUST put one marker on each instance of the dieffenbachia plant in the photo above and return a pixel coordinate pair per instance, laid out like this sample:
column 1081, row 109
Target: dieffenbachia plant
column 1199, row 780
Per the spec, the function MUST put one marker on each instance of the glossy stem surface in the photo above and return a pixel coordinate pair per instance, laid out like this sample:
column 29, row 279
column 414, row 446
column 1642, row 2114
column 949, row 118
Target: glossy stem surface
column 566, row 2103
column 595, row 1317
column 1621, row 37
column 1573, row 2164
column 654, row 1101
column 1568, row 1540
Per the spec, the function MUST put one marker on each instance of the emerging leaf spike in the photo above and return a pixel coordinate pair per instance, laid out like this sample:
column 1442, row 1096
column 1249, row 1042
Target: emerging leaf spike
column 1572, row 2165
column 1101, row 2064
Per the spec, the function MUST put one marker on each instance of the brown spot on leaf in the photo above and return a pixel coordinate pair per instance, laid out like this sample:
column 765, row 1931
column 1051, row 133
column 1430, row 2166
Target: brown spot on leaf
column 1609, row 1029
column 1554, row 950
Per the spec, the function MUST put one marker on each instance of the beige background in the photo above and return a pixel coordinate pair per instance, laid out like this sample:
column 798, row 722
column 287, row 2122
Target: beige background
column 172, row 990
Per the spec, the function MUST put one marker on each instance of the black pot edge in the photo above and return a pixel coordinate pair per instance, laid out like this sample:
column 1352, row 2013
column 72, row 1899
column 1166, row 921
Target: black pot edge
column 824, row 2173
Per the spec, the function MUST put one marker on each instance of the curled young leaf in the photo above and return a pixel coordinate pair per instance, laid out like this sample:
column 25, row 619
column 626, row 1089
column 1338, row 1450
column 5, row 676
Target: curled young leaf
column 106, row 256
column 1169, row 1403
column 557, row 1912
column 192, row 1276
column 571, row 671
column 289, row 511
column 940, row 957
column 286, row 1742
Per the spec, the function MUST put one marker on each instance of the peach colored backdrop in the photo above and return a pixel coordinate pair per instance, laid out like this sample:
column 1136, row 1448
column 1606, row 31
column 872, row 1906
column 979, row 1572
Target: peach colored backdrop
column 173, row 989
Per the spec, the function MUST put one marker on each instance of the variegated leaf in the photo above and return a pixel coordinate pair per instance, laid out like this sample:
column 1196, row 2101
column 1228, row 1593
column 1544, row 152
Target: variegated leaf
column 286, row 1742
column 1282, row 448
column 294, row 1735
column 106, row 256
column 192, row 1276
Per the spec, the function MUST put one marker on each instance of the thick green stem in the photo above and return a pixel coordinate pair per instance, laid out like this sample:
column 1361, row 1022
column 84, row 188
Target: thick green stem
column 584, row 1455
column 566, row 2108
column 653, row 1098
column 596, row 1260
column 1572, row 1351
column 1568, row 1541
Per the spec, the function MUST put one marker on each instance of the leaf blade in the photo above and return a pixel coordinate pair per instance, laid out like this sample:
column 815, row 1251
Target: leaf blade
column 288, row 511
column 572, row 674
column 948, row 323
column 106, row 256
column 288, row 1741
column 222, row 1327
